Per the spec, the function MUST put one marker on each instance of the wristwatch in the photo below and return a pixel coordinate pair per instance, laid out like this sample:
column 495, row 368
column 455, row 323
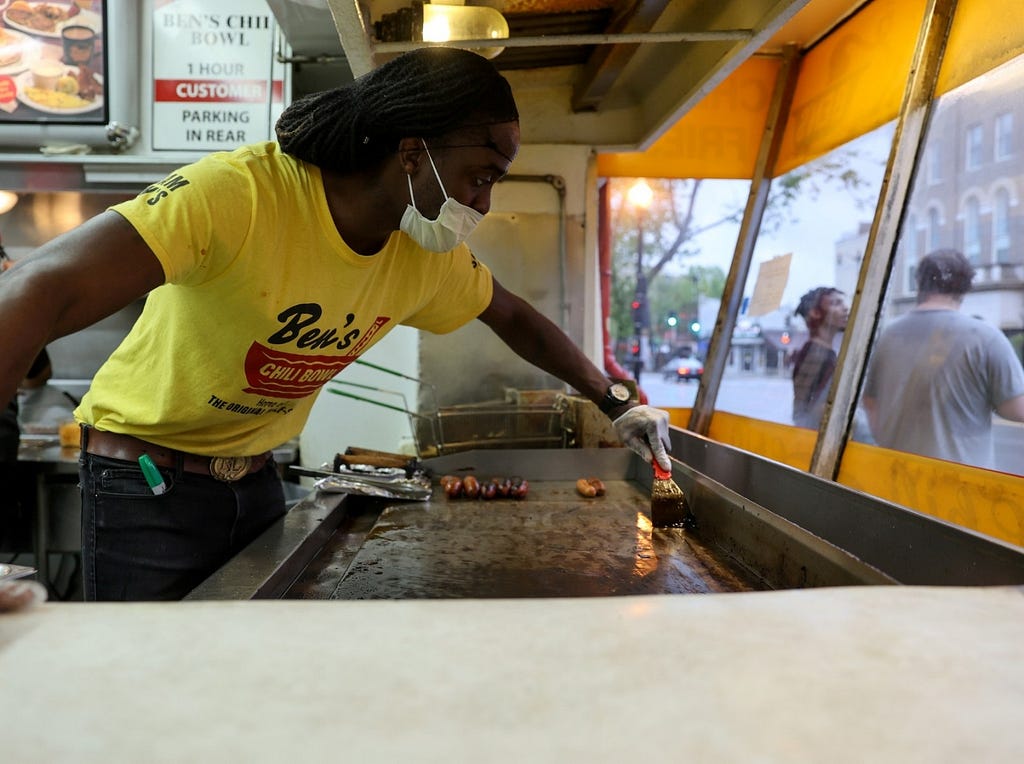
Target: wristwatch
column 614, row 396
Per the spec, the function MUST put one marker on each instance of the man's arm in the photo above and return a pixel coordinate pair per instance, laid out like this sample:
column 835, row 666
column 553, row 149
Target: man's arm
column 1012, row 409
column 538, row 340
column 40, row 372
column 68, row 284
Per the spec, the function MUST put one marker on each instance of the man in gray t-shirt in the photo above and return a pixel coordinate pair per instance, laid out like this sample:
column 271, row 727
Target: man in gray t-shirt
column 936, row 375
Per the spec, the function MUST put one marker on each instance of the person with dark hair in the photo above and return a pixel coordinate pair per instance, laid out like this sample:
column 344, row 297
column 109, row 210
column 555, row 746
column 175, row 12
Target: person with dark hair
column 935, row 375
column 268, row 270
column 825, row 312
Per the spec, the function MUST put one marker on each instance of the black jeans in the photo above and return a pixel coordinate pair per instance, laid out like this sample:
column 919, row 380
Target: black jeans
column 138, row 546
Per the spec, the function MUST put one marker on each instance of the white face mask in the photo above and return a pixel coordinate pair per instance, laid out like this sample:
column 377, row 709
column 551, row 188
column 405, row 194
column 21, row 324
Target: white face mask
column 453, row 224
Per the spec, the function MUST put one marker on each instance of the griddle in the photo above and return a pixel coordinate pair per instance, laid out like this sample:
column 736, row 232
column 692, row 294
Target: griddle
column 554, row 543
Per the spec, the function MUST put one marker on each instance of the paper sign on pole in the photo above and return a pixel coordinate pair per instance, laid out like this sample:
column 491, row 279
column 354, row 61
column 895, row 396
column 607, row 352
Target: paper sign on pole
column 772, row 276
column 215, row 82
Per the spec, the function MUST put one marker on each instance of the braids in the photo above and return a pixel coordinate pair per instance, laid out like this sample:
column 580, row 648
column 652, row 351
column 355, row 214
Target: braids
column 810, row 302
column 426, row 93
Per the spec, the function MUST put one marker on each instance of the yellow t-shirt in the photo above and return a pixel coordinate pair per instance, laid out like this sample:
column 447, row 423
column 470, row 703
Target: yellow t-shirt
column 263, row 304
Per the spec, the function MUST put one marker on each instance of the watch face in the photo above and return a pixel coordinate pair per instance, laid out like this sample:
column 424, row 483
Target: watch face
column 619, row 392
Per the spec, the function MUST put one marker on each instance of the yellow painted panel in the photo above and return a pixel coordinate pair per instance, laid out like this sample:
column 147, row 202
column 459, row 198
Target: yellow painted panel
column 985, row 34
column 852, row 82
column 678, row 417
column 983, row 500
column 779, row 442
column 718, row 138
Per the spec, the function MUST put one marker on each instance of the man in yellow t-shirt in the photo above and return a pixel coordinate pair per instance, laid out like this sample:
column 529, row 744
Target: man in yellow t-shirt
column 268, row 270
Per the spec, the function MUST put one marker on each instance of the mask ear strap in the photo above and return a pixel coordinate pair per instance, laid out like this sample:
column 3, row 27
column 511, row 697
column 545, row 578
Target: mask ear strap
column 412, row 196
column 434, row 168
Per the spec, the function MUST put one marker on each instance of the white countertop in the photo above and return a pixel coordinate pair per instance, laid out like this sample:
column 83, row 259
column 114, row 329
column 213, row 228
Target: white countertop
column 900, row 674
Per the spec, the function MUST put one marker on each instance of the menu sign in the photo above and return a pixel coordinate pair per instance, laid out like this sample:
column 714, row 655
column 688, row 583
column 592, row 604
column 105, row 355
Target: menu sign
column 215, row 83
column 52, row 63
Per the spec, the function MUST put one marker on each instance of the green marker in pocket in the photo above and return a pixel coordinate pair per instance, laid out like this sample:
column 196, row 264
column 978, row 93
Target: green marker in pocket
column 153, row 477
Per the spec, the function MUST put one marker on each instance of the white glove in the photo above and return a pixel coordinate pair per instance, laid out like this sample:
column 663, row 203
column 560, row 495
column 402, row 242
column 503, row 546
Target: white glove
column 15, row 595
column 645, row 430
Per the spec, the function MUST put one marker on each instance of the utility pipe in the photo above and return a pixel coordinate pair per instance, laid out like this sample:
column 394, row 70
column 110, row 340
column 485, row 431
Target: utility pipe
column 604, row 259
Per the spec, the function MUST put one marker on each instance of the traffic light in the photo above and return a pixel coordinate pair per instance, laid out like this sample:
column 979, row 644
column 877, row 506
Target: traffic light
column 635, row 307
column 641, row 318
column 695, row 327
column 635, row 348
column 673, row 318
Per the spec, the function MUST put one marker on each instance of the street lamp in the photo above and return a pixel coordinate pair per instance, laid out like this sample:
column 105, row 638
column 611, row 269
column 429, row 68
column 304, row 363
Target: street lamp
column 695, row 324
column 640, row 197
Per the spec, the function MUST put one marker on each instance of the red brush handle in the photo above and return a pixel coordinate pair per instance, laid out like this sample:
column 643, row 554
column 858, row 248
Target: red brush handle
column 660, row 473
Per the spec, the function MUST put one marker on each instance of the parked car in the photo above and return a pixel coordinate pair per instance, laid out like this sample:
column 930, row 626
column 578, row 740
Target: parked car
column 683, row 367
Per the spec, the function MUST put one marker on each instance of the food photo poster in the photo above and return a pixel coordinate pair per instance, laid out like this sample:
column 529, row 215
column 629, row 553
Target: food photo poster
column 52, row 61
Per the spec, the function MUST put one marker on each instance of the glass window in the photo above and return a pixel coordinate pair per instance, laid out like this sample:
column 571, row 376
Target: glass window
column 933, row 165
column 972, row 229
column 944, row 376
column 1001, row 225
column 975, row 147
column 802, row 279
column 934, row 228
column 907, row 251
column 1004, row 135
column 672, row 250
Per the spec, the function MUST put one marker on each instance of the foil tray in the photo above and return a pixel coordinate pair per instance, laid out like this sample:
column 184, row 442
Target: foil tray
column 380, row 482
column 10, row 572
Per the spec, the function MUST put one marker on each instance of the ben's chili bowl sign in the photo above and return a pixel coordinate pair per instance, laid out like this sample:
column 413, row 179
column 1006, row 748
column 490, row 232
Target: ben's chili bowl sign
column 213, row 74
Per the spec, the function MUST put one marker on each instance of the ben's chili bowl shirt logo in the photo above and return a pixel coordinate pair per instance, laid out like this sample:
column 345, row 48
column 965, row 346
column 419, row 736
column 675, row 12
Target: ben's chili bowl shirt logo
column 281, row 373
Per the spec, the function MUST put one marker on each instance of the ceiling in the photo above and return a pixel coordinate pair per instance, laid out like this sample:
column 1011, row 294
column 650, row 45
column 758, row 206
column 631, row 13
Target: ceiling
column 613, row 74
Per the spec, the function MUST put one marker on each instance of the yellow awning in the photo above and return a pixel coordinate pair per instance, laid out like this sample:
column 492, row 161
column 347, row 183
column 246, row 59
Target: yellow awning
column 849, row 84
column 718, row 138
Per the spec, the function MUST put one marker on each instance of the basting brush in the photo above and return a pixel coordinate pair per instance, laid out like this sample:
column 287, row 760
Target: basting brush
column 669, row 507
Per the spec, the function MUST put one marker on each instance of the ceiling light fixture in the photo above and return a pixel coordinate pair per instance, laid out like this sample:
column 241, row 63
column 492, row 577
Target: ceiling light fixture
column 448, row 22
column 7, row 201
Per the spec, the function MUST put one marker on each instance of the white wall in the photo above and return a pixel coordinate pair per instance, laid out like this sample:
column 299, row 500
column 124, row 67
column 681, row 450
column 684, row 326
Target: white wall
column 338, row 422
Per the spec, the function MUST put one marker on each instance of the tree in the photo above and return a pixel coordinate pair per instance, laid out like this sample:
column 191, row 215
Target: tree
column 669, row 229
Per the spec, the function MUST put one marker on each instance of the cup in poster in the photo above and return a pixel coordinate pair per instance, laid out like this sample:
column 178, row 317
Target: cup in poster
column 79, row 44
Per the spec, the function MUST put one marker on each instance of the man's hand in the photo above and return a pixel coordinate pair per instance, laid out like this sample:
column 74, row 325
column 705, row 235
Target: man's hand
column 645, row 430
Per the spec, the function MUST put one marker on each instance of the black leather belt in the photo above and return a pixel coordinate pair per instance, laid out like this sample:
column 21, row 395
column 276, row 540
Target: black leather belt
column 127, row 448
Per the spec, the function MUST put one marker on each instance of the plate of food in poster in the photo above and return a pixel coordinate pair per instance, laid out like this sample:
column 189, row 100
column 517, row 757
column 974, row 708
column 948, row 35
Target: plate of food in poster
column 17, row 50
column 48, row 19
column 55, row 88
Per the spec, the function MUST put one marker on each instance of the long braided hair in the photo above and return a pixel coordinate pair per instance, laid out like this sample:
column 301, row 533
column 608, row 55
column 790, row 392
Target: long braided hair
column 425, row 93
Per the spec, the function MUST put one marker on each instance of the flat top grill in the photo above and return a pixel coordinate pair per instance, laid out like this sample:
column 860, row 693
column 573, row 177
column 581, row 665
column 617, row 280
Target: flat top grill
column 554, row 543
column 776, row 529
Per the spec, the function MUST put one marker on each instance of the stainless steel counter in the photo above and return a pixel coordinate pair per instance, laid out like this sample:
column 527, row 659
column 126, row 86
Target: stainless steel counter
column 556, row 543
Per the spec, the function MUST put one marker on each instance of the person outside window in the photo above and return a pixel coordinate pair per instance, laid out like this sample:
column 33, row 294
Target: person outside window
column 935, row 375
column 825, row 312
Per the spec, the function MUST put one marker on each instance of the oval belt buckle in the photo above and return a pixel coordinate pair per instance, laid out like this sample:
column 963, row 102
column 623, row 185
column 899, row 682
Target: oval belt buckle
column 230, row 468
